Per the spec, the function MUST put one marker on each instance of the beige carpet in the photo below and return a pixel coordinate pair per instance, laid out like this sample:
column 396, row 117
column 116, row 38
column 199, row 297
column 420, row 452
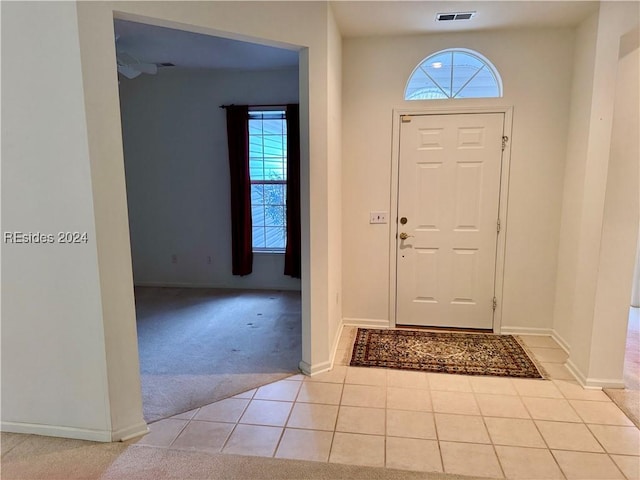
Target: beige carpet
column 199, row 345
column 31, row 457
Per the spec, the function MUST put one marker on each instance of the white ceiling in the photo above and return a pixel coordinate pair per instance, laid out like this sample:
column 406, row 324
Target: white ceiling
column 373, row 18
column 152, row 44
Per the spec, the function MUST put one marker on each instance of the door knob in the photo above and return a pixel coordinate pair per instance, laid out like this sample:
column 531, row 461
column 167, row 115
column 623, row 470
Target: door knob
column 404, row 236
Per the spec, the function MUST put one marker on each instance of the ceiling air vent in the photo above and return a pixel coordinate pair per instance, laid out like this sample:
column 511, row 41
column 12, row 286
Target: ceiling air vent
column 446, row 17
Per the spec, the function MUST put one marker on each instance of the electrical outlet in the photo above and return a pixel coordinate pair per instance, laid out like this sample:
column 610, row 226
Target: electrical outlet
column 174, row 258
column 378, row 217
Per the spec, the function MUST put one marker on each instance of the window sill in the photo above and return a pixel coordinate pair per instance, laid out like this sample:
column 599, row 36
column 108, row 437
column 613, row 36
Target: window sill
column 268, row 252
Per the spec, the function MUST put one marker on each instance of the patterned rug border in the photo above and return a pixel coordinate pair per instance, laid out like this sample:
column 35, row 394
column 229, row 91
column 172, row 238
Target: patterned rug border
column 360, row 331
column 532, row 357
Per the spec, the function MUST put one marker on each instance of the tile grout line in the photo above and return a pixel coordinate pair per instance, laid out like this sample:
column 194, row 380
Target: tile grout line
column 548, row 448
column 286, row 422
column 605, row 449
column 180, row 432
column 386, row 406
column 435, row 425
column 237, row 422
column 429, row 392
column 335, row 423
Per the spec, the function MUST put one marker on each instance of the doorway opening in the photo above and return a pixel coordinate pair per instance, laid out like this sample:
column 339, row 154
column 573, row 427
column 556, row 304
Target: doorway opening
column 203, row 333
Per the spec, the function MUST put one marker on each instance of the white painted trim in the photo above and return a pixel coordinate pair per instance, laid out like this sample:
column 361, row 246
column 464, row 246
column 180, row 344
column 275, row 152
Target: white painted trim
column 561, row 341
column 128, row 433
column 315, row 369
column 56, row 431
column 604, row 383
column 509, row 330
column 336, row 344
column 547, row 332
column 575, row 371
column 366, row 322
column 593, row 383
column 502, row 211
column 213, row 285
column 501, row 246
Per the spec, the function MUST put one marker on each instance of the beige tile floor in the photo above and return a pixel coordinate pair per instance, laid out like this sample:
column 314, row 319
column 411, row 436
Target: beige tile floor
column 482, row 426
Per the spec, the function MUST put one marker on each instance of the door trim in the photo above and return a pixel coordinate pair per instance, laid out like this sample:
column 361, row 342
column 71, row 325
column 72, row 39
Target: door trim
column 502, row 208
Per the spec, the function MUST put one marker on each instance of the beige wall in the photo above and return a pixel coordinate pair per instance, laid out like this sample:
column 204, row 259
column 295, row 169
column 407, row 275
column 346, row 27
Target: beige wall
column 580, row 115
column 87, row 379
column 537, row 83
column 69, row 359
column 334, row 173
column 54, row 365
column 591, row 227
column 177, row 169
column 620, row 226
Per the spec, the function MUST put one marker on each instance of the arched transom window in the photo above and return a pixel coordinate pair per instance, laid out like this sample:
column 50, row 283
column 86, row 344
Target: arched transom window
column 454, row 73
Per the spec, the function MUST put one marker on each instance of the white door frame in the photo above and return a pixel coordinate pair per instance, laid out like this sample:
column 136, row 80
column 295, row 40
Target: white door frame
column 502, row 211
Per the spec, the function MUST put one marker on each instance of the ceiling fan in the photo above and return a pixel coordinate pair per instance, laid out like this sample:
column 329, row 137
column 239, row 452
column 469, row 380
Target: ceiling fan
column 130, row 67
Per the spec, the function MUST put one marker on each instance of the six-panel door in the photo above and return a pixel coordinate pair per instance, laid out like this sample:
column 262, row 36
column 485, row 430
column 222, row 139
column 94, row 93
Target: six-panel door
column 448, row 192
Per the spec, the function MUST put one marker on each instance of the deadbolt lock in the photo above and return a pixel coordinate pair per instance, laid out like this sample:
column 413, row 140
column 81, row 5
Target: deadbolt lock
column 403, row 220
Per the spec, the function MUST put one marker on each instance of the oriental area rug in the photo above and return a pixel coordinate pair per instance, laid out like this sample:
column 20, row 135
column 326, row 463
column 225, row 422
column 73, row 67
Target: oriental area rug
column 443, row 352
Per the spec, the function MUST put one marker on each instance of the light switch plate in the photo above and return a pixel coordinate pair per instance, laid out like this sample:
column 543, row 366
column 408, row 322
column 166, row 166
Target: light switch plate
column 378, row 217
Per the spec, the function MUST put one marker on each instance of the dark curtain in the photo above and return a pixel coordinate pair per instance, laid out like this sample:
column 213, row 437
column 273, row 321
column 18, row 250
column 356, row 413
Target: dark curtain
column 292, row 256
column 238, row 141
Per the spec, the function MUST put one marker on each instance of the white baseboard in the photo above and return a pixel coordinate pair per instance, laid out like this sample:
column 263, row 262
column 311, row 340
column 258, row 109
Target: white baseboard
column 561, row 341
column 366, row 322
column 212, row 285
column 547, row 332
column 315, row 369
column 590, row 382
column 128, row 433
column 575, row 371
column 336, row 343
column 57, row 431
column 509, row 330
column 604, row 383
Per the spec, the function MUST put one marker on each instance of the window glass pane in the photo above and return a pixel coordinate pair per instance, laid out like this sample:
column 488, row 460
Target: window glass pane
column 273, row 145
column 275, row 237
column 274, row 194
column 466, row 66
column 257, row 215
column 268, row 163
column 256, row 169
column 453, row 74
column 274, row 216
column 256, row 148
column 439, row 69
column 259, row 240
column 255, row 127
column 257, row 194
column 274, row 169
column 422, row 88
column 483, row 85
column 272, row 127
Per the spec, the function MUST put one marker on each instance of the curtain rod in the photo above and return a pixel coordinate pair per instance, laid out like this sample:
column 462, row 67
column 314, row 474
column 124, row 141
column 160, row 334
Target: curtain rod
column 253, row 106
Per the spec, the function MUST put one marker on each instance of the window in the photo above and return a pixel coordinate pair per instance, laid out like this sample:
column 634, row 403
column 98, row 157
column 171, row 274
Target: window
column 268, row 174
column 454, row 73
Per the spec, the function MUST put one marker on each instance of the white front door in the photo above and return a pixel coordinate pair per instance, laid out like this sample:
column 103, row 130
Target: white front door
column 448, row 200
